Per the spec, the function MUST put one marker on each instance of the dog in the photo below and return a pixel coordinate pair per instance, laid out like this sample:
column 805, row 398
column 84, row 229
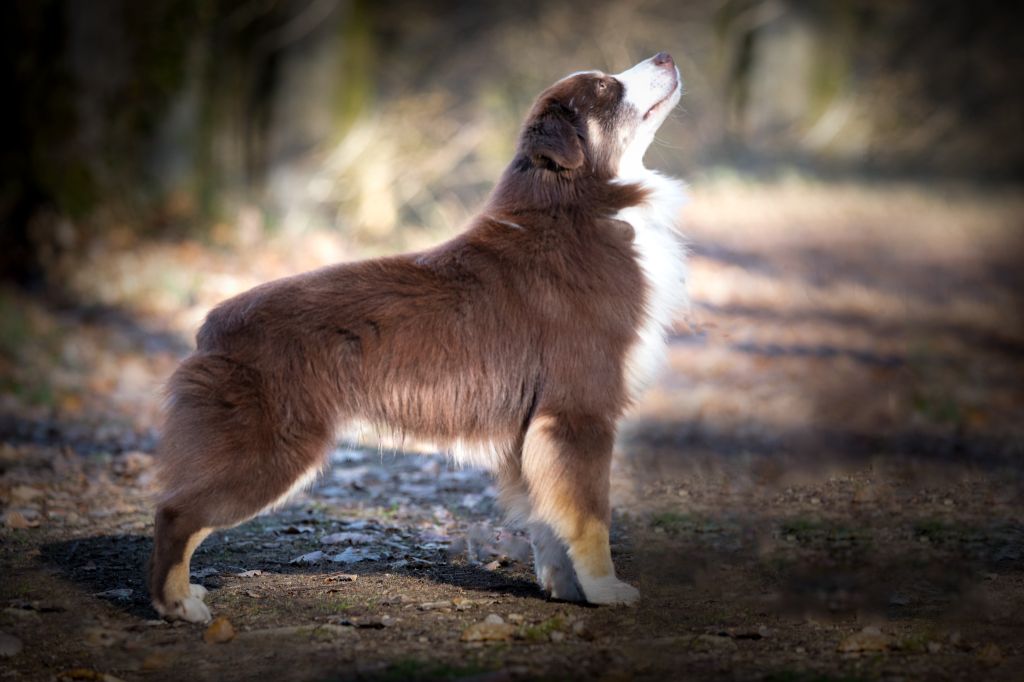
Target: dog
column 519, row 344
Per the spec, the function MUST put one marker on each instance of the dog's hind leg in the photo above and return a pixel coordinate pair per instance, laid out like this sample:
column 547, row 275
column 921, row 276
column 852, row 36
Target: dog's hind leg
column 225, row 455
column 176, row 536
column 567, row 466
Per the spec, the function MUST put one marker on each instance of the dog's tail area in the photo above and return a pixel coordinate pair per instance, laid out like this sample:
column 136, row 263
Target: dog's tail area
column 234, row 443
column 225, row 437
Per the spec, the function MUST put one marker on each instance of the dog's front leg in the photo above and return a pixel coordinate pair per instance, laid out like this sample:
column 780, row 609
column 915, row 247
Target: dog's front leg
column 567, row 465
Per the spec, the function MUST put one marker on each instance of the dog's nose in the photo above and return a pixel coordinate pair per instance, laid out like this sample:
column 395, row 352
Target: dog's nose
column 663, row 59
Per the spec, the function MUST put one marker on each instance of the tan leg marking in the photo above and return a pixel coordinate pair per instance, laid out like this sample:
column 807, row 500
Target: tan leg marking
column 577, row 511
column 183, row 600
column 590, row 549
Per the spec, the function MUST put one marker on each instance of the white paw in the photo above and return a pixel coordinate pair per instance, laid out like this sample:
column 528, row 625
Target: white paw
column 194, row 610
column 191, row 608
column 609, row 590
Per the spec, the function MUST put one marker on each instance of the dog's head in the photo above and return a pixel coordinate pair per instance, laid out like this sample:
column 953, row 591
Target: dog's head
column 594, row 123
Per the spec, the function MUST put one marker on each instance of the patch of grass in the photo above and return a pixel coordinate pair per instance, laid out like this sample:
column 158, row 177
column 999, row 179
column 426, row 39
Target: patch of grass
column 40, row 394
column 833, row 536
column 541, row 631
column 331, row 606
column 674, row 522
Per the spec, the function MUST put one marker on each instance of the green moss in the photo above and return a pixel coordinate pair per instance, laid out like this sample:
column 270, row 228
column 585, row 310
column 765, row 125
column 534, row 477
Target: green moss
column 334, row 606
column 833, row 536
column 541, row 631
column 674, row 522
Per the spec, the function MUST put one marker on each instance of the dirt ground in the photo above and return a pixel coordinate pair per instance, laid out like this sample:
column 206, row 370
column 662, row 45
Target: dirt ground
column 825, row 485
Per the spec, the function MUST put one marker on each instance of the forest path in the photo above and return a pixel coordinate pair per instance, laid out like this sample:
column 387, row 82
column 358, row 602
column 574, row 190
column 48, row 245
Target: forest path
column 826, row 484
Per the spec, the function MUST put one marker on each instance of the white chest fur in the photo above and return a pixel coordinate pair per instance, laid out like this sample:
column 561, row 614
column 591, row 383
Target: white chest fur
column 662, row 256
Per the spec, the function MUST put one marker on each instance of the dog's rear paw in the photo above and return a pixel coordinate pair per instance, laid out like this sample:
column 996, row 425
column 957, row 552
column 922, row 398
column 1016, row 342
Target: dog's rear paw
column 610, row 590
column 191, row 608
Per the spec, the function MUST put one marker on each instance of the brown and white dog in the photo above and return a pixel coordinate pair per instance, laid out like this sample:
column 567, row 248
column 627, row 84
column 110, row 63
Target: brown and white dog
column 519, row 343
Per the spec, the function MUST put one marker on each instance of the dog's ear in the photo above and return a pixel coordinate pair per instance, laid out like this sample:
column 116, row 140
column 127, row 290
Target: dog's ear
column 552, row 142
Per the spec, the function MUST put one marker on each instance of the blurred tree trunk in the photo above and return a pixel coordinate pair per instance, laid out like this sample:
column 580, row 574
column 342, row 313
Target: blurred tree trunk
column 785, row 66
column 176, row 113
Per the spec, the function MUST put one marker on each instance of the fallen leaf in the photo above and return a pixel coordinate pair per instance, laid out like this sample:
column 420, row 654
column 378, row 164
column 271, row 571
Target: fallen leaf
column 15, row 519
column 102, row 637
column 156, row 661
column 990, row 654
column 219, row 631
column 492, row 629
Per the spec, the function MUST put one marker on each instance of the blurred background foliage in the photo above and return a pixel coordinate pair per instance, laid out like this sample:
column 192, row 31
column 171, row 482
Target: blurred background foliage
column 388, row 121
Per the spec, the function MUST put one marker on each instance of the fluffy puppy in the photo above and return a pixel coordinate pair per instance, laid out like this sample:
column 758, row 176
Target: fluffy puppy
column 519, row 344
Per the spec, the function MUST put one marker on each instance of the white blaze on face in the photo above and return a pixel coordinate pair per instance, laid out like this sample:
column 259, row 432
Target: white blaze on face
column 652, row 91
